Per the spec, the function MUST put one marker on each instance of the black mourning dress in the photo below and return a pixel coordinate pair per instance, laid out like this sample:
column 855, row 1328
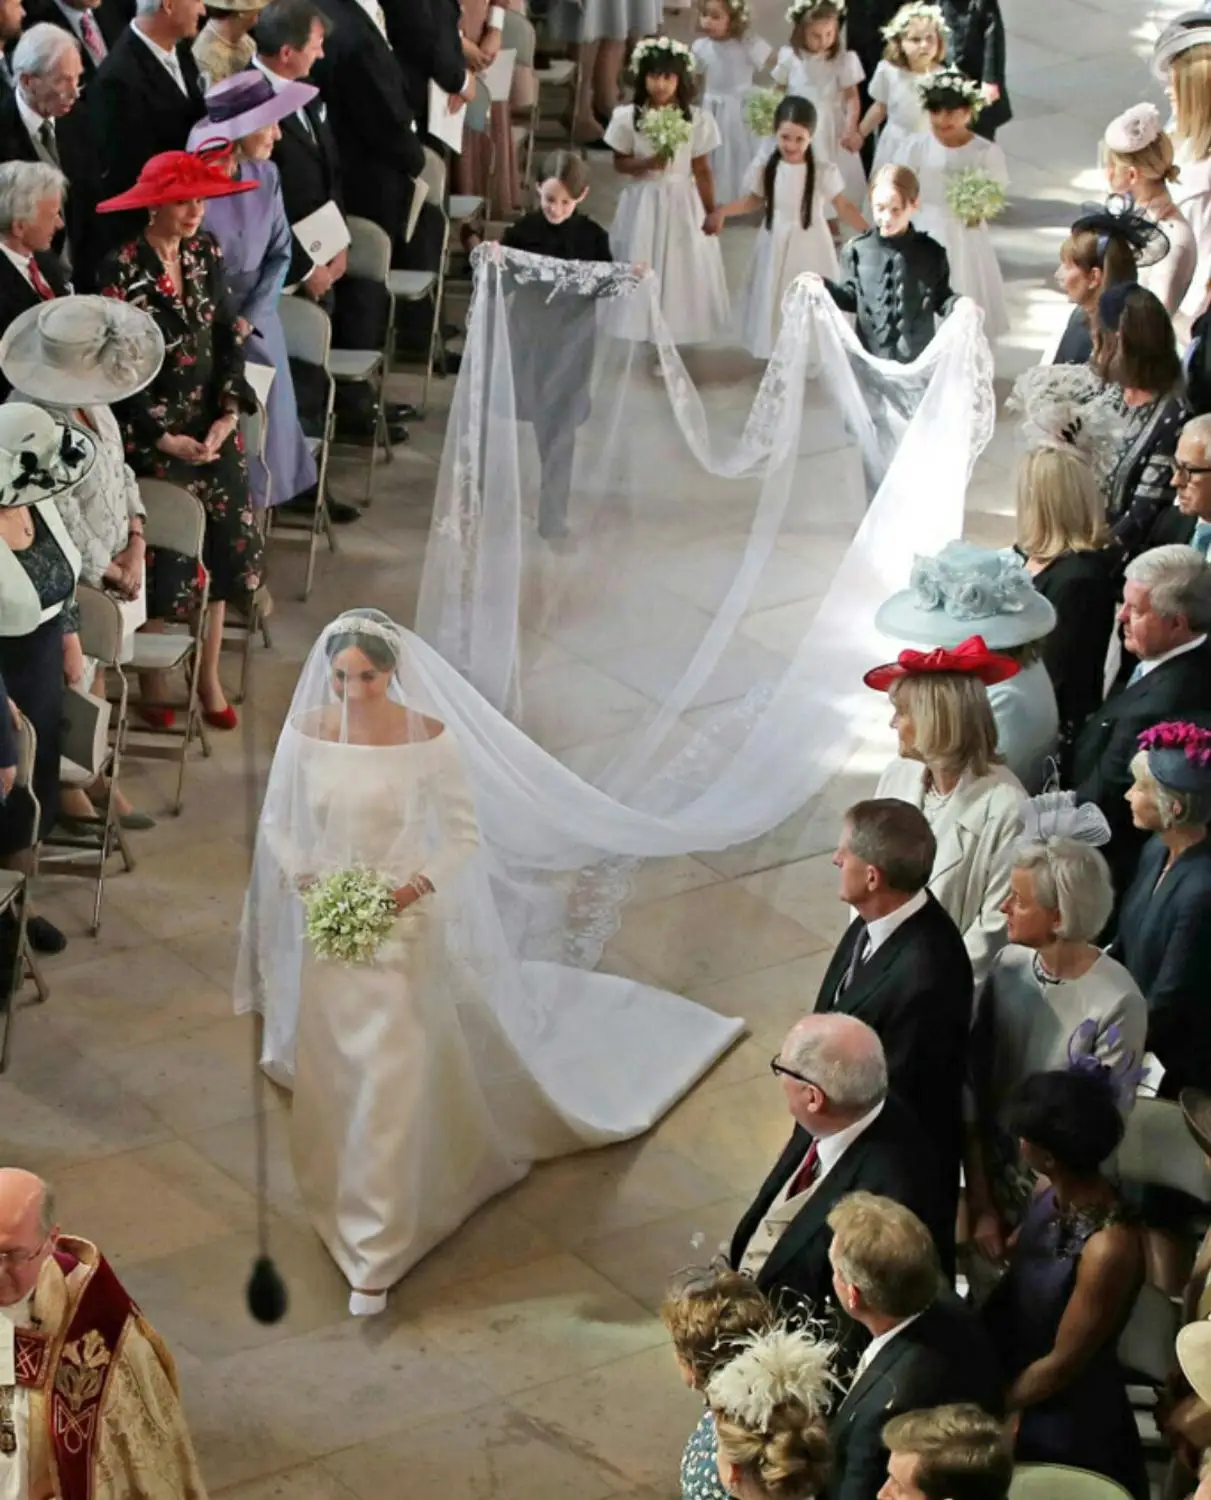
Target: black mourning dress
column 898, row 286
column 551, row 334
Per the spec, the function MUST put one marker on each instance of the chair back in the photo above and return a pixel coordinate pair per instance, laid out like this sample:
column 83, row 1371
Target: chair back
column 1145, row 1347
column 517, row 33
column 175, row 520
column 1158, row 1150
column 1059, row 1482
column 101, row 625
column 27, row 749
column 308, row 330
column 369, row 250
column 434, row 175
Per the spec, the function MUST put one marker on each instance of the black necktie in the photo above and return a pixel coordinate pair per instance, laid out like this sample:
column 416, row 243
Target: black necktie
column 49, row 144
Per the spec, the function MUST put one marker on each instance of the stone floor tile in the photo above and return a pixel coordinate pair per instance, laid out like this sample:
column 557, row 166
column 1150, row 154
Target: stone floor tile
column 641, row 1261
column 310, row 1482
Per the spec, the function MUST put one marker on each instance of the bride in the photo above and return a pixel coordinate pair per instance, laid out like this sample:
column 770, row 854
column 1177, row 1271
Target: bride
column 429, row 1079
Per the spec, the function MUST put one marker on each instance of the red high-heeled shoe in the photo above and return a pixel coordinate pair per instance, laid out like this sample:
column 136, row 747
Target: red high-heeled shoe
column 222, row 718
column 157, row 718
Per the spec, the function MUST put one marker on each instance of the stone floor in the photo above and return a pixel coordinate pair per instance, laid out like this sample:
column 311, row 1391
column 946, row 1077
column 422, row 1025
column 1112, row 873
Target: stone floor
column 523, row 1359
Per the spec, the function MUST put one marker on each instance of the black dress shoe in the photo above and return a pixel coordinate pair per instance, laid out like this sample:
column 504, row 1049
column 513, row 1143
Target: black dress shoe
column 44, row 936
column 401, row 411
column 360, row 431
column 453, row 364
column 339, row 513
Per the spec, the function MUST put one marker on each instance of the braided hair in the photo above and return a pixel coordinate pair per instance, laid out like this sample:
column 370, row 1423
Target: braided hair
column 794, row 110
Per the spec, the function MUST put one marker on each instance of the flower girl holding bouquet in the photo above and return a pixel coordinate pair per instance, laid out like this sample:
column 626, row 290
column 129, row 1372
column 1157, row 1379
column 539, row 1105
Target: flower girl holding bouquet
column 963, row 179
column 727, row 55
column 794, row 188
column 663, row 144
column 916, row 45
column 816, row 65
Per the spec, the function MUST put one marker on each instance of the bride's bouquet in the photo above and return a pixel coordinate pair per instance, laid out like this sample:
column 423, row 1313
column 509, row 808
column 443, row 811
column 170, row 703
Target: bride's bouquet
column 760, row 108
column 973, row 196
column 349, row 915
column 667, row 129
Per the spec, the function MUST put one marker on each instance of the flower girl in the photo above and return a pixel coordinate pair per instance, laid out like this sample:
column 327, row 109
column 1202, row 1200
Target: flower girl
column 817, row 67
column 663, row 144
column 916, row 45
column 727, row 55
column 794, row 188
column 963, row 178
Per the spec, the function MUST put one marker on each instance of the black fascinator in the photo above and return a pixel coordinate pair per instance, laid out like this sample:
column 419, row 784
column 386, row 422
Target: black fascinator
column 1117, row 219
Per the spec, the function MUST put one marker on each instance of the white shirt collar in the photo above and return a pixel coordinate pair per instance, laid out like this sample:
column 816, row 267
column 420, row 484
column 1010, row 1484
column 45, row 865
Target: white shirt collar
column 276, row 81
column 20, row 261
column 1153, row 662
column 870, row 1353
column 831, row 1148
column 72, row 16
column 32, row 121
column 168, row 59
column 878, row 931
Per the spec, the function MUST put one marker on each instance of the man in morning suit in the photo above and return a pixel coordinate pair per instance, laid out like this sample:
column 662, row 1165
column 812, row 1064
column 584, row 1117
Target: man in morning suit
column 1188, row 519
column 31, row 215
column 1166, row 615
column 926, row 1347
column 903, row 969
column 95, row 24
column 849, row 1135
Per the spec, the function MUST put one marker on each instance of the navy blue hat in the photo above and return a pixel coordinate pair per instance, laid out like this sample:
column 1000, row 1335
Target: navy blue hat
column 1179, row 756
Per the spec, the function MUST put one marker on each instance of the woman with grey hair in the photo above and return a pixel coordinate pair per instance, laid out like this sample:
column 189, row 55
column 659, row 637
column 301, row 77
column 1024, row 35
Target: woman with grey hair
column 1052, row 1000
column 1164, row 935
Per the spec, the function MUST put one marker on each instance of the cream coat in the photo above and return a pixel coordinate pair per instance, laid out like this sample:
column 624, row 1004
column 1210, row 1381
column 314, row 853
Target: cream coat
column 976, row 829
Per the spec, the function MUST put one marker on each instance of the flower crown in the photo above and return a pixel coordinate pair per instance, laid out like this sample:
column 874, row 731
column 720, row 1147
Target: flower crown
column 919, row 10
column 1066, row 407
column 798, row 10
column 738, row 9
column 662, row 46
column 948, row 88
column 949, row 583
column 1192, row 739
column 772, row 1368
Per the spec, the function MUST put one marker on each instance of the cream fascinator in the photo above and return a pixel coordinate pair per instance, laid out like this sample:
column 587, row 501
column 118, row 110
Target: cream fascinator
column 1068, row 408
column 770, row 1370
column 1056, row 815
column 1134, row 129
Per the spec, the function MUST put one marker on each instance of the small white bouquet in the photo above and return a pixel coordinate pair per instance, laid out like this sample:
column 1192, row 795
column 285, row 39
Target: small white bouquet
column 760, row 108
column 349, row 914
column 974, row 197
column 666, row 129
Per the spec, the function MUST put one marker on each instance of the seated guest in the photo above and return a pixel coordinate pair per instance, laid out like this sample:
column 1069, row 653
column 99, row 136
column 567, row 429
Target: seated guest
column 1052, row 1000
column 1062, row 537
column 44, row 121
column 1075, row 1270
column 849, row 1134
column 95, row 24
column 1135, row 351
column 950, row 769
column 1188, row 519
column 31, row 215
column 224, row 45
column 121, row 1433
column 950, row 1453
column 254, row 238
column 1099, row 252
column 902, row 968
column 966, row 591
column 1165, row 616
column 184, row 426
column 39, row 640
column 708, row 1314
column 926, row 1346
column 1164, row 935
column 769, row 1403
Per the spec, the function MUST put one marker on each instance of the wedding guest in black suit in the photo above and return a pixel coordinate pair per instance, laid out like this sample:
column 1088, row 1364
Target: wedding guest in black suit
column 1164, row 935
column 426, row 38
column 145, row 99
column 1188, row 519
column 903, row 969
column 12, row 18
column 1165, row 616
column 926, row 1347
column 31, row 215
column 43, row 120
column 977, row 48
column 948, row 1453
column 849, row 1134
column 95, row 24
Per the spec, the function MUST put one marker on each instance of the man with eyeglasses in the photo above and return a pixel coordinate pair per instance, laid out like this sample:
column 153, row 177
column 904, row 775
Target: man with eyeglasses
column 849, row 1135
column 89, row 1408
column 1188, row 520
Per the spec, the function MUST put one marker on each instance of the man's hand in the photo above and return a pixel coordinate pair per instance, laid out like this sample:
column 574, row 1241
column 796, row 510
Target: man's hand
column 317, row 284
column 338, row 265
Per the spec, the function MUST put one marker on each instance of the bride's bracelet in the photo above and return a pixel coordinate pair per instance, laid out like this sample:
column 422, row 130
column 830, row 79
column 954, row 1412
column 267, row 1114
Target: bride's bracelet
column 420, row 885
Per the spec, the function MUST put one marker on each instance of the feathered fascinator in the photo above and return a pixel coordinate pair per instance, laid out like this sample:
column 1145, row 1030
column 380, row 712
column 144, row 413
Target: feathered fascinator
column 1068, row 408
column 948, row 88
column 1134, row 130
column 675, row 54
column 770, row 1370
column 802, row 10
column 918, row 11
column 1116, row 219
column 1179, row 755
column 1056, row 815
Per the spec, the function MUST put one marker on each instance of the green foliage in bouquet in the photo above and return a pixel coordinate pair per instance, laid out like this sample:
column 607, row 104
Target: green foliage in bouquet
column 349, row 914
column 973, row 196
column 760, row 108
column 666, row 129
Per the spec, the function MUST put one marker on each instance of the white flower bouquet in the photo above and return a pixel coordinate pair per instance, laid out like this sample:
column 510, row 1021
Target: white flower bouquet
column 760, row 108
column 349, row 915
column 666, row 129
column 974, row 197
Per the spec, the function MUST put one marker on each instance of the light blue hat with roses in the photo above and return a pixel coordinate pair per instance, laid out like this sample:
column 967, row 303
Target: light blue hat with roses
column 965, row 591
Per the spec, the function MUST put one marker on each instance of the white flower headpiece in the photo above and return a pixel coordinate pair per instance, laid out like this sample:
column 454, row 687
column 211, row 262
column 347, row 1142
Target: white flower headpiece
column 656, row 46
column 947, row 87
column 800, row 8
column 1134, row 129
column 918, row 11
column 739, row 9
column 1066, row 407
column 771, row 1369
column 1055, row 815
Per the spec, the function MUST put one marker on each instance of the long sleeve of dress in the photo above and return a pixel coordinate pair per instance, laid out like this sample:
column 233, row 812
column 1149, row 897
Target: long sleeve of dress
column 1151, row 488
column 262, row 299
column 141, row 415
column 229, row 385
column 460, row 827
column 986, row 936
column 1075, row 651
column 95, row 555
column 1177, row 996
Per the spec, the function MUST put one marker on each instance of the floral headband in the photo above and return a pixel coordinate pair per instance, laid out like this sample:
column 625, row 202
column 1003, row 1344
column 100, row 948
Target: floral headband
column 800, row 10
column 950, row 89
column 738, row 10
column 918, row 11
column 664, row 47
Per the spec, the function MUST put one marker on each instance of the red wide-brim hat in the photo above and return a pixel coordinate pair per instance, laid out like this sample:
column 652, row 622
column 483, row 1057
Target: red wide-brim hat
column 176, row 177
column 971, row 657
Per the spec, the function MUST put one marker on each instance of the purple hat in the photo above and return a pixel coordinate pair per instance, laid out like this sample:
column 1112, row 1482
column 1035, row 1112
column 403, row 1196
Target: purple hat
column 246, row 102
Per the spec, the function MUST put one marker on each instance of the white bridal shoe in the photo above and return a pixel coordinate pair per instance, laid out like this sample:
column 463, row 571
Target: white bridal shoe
column 366, row 1304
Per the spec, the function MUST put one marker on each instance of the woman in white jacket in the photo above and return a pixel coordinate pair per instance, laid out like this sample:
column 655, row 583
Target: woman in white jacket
column 948, row 767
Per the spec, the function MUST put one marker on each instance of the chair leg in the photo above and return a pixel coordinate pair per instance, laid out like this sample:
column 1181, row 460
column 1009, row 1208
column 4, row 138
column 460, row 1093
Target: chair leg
column 16, row 975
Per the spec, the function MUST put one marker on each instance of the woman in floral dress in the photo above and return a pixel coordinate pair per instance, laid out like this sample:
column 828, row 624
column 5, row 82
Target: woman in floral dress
column 184, row 426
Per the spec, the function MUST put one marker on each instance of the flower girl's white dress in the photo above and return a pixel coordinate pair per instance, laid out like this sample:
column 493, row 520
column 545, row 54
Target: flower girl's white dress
column 727, row 68
column 785, row 250
column 659, row 222
column 974, row 271
column 822, row 80
column 896, row 89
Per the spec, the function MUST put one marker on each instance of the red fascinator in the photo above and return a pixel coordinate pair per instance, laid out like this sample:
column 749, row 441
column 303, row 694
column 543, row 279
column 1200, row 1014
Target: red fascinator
column 971, row 657
column 176, row 177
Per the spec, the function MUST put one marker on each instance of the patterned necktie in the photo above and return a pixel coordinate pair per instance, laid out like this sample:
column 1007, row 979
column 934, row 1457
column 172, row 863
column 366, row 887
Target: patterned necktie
column 90, row 35
column 46, row 135
column 39, row 282
column 806, row 1174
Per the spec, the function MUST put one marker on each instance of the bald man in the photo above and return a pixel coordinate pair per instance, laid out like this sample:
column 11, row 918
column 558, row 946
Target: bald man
column 849, row 1134
column 88, row 1394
